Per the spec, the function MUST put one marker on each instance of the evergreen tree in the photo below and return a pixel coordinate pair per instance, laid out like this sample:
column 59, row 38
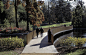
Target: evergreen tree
column 1, row 12
column 60, row 8
column 77, row 17
column 10, row 14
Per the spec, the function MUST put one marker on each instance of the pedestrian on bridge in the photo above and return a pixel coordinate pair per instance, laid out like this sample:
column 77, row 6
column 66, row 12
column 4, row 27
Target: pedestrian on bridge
column 37, row 31
column 41, row 30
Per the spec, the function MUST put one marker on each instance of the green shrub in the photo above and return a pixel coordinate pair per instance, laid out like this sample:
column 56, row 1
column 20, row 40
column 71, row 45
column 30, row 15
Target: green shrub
column 11, row 42
column 73, row 41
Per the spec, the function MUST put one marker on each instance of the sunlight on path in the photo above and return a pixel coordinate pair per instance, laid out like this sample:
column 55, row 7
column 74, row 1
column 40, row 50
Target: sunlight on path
column 40, row 45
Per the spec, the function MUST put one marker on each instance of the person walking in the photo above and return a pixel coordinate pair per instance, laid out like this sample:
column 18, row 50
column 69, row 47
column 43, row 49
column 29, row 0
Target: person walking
column 37, row 31
column 49, row 35
column 41, row 30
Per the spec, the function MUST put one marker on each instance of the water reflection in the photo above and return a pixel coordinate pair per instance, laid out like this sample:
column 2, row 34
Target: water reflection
column 80, row 33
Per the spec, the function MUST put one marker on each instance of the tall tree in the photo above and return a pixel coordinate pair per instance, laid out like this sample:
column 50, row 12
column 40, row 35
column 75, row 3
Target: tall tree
column 16, row 4
column 60, row 7
column 10, row 14
column 52, row 13
column 67, row 13
column 34, row 15
column 1, row 11
column 45, row 11
column 22, row 13
column 77, row 17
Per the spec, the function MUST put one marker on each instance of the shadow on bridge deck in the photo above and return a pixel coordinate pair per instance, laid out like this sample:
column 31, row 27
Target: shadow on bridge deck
column 40, row 45
column 43, row 43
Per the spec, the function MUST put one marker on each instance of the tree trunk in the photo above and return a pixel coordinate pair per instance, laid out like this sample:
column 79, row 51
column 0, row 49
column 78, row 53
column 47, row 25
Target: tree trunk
column 16, row 15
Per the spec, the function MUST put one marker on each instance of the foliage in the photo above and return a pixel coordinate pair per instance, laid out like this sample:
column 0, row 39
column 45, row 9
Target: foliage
column 45, row 11
column 23, row 24
column 1, row 6
column 36, row 15
column 6, row 22
column 63, row 11
column 77, row 17
column 21, row 12
column 11, row 42
column 77, row 52
column 12, row 30
column 73, row 40
column 10, row 14
column 52, row 13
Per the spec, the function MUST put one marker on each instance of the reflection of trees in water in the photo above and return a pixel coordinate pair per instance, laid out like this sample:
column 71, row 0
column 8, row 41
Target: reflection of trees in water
column 78, row 33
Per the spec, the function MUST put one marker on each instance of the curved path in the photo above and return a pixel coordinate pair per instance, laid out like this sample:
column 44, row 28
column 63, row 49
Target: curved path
column 40, row 45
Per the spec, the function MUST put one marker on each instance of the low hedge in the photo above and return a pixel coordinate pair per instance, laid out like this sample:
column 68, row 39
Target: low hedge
column 74, row 41
column 11, row 42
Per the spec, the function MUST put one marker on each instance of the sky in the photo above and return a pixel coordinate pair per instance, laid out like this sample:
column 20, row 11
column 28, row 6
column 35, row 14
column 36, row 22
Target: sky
column 73, row 3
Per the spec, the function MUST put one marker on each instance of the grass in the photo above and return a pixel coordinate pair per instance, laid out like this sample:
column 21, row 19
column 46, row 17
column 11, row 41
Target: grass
column 23, row 24
column 78, row 52
column 8, row 53
column 55, row 25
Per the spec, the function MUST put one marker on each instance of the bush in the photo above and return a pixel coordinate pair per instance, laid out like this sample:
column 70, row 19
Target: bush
column 73, row 41
column 10, row 42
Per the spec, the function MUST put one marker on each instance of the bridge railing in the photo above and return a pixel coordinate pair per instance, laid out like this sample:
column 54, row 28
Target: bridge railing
column 33, row 34
column 53, row 31
column 58, row 30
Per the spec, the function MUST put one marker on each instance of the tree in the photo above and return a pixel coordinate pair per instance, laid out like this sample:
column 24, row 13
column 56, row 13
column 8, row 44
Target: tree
column 60, row 8
column 10, row 14
column 16, row 4
column 34, row 14
column 22, row 13
column 67, row 13
column 1, row 7
column 63, row 11
column 52, row 13
column 45, row 11
column 1, row 11
column 77, row 17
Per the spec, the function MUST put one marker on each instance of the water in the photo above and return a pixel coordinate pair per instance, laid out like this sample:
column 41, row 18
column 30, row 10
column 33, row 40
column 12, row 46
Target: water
column 80, row 33
column 75, row 33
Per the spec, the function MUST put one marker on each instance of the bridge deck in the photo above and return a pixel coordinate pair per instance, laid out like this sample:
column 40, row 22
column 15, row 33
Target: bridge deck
column 40, row 45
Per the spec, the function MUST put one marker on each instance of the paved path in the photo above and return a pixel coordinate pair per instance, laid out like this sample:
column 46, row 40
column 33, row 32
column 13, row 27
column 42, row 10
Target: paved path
column 40, row 45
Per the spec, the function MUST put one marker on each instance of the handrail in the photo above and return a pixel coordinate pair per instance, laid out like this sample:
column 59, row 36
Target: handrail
column 53, row 29
column 59, row 30
column 33, row 33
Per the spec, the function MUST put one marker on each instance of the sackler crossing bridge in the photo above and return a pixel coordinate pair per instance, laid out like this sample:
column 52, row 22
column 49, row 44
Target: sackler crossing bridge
column 41, row 45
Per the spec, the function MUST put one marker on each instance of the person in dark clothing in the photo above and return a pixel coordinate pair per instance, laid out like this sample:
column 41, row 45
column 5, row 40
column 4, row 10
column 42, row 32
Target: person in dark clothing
column 41, row 30
column 49, row 35
column 37, row 32
column 64, row 25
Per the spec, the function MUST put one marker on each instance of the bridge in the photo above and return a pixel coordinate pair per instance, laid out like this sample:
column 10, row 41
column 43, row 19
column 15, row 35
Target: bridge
column 41, row 45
